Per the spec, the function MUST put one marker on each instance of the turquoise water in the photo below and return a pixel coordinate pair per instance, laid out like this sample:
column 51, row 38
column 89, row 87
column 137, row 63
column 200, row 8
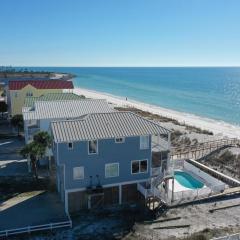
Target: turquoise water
column 187, row 180
column 206, row 92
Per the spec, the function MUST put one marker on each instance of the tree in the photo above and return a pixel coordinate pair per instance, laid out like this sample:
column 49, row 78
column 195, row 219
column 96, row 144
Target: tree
column 3, row 107
column 17, row 121
column 42, row 138
column 36, row 150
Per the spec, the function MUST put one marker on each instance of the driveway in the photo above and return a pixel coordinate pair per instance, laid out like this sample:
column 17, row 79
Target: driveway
column 32, row 208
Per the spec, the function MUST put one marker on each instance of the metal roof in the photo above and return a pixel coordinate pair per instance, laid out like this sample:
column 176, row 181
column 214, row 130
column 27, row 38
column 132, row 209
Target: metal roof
column 41, row 84
column 29, row 101
column 65, row 109
column 104, row 126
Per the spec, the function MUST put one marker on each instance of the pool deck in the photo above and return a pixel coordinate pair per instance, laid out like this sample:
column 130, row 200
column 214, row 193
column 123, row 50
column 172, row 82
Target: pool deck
column 179, row 187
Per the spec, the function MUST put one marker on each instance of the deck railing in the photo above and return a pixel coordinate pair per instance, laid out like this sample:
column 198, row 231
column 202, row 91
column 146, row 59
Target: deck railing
column 29, row 229
column 156, row 171
column 199, row 150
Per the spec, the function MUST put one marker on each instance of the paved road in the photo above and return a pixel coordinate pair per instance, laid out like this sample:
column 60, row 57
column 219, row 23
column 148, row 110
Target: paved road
column 29, row 211
column 11, row 162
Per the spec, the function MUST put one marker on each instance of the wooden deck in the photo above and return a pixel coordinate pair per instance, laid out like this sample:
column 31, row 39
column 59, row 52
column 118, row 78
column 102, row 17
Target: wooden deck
column 200, row 150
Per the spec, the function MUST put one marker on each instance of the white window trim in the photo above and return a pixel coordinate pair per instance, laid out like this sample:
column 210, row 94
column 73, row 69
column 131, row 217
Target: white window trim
column 111, row 164
column 140, row 142
column 139, row 166
column 123, row 138
column 71, row 147
column 83, row 173
column 88, row 147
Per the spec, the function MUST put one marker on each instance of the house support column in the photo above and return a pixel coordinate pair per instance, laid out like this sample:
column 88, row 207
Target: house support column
column 120, row 194
column 66, row 202
column 172, row 190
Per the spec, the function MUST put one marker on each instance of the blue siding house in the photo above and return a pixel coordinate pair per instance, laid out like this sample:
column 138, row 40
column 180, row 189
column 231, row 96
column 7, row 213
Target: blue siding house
column 101, row 158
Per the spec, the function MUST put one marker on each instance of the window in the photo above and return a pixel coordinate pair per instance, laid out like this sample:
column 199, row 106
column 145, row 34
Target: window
column 111, row 170
column 139, row 166
column 70, row 145
column 144, row 142
column 93, row 147
column 120, row 140
column 78, row 173
column 29, row 94
column 16, row 94
column 135, row 167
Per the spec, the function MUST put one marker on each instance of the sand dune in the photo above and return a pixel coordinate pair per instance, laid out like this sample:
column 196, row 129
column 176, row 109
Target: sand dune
column 217, row 127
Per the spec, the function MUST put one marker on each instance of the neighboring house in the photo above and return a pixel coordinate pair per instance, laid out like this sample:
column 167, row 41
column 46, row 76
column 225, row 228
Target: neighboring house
column 19, row 90
column 102, row 157
column 38, row 117
column 29, row 101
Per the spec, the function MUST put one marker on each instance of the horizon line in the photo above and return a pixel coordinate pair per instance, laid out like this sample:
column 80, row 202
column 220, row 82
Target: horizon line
column 173, row 66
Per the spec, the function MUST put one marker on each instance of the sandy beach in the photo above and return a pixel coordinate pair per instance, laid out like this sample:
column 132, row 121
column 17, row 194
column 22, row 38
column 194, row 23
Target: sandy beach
column 219, row 128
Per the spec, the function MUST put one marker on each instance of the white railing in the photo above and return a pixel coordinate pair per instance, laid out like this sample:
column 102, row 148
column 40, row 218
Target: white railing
column 158, row 179
column 178, row 163
column 29, row 229
column 156, row 171
column 190, row 195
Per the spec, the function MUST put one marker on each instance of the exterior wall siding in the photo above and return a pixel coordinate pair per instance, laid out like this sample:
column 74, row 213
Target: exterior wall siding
column 18, row 102
column 108, row 152
column 42, row 124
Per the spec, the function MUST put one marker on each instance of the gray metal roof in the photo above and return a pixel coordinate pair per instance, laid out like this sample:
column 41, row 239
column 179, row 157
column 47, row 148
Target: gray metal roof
column 65, row 109
column 104, row 126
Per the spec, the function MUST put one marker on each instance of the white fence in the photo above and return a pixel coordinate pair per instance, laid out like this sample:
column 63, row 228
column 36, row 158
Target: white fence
column 235, row 236
column 195, row 194
column 156, row 171
column 30, row 229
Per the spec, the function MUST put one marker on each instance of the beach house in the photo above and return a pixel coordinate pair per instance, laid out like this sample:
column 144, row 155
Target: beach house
column 19, row 90
column 102, row 157
column 39, row 116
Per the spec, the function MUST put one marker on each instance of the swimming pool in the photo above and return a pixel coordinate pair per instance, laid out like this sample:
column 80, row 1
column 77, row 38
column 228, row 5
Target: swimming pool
column 187, row 180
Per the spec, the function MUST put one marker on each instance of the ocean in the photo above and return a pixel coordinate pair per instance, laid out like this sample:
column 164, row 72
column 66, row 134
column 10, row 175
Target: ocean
column 212, row 92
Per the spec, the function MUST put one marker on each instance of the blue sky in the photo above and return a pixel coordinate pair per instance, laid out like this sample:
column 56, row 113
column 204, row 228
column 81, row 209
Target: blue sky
column 120, row 33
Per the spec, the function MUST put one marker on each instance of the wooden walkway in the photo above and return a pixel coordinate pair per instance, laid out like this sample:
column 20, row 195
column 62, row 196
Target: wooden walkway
column 200, row 150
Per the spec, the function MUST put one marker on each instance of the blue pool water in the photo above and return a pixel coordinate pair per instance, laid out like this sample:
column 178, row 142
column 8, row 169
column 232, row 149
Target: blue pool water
column 187, row 180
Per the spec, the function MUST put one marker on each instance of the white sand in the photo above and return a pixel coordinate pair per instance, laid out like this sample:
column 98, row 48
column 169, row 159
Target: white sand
column 222, row 129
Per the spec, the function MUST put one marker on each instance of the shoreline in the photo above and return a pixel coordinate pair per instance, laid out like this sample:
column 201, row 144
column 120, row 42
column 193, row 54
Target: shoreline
column 220, row 128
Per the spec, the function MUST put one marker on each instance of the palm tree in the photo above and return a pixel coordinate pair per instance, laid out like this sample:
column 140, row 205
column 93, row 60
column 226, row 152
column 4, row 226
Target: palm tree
column 43, row 138
column 17, row 121
column 37, row 149
column 34, row 151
